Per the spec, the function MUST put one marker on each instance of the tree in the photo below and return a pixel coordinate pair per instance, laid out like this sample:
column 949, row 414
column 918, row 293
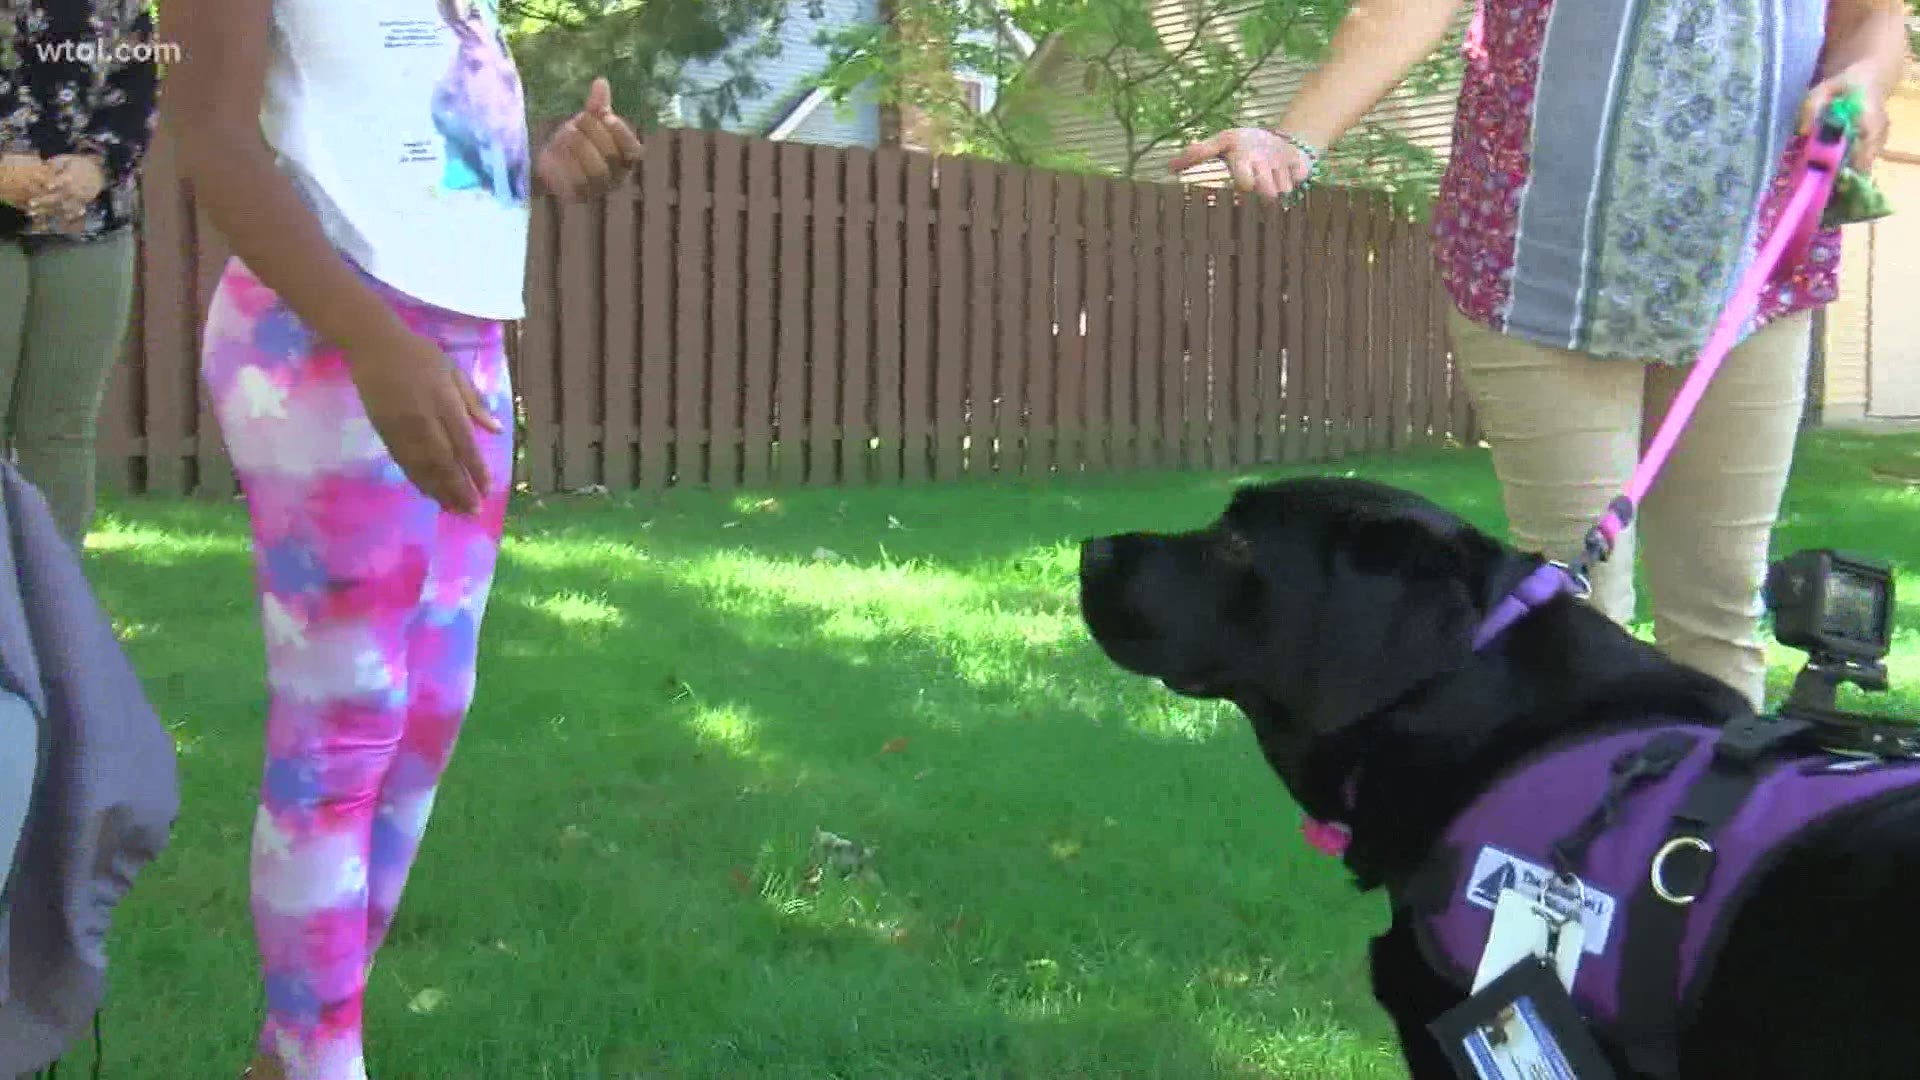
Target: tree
column 643, row 48
column 1155, row 91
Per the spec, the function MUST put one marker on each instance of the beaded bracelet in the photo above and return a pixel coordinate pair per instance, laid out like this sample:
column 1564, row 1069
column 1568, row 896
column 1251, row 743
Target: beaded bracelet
column 1313, row 162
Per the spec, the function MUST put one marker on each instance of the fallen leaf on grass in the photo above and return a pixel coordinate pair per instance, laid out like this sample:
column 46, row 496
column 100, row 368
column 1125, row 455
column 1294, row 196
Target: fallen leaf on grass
column 827, row 555
column 742, row 883
column 572, row 834
column 894, row 746
column 894, row 522
column 427, row 1001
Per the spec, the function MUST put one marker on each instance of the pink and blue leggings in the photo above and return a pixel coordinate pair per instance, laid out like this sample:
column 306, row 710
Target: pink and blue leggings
column 371, row 600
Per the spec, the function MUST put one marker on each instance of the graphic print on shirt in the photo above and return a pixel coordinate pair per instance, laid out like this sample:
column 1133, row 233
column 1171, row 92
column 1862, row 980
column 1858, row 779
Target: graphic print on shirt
column 479, row 109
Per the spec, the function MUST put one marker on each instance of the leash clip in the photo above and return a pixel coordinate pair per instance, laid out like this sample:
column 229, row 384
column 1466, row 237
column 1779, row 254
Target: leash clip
column 1576, row 573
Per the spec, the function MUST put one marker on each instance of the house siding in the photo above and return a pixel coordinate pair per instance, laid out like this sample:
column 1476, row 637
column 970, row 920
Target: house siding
column 1872, row 344
column 1078, row 129
column 789, row 75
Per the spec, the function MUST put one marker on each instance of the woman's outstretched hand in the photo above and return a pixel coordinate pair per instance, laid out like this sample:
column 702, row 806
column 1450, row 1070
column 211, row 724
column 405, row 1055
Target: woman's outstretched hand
column 1260, row 161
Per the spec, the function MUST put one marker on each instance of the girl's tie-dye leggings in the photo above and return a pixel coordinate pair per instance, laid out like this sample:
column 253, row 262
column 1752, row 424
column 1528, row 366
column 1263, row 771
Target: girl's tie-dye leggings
column 371, row 600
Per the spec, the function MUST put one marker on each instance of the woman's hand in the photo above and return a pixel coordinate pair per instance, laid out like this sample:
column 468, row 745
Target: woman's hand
column 1259, row 160
column 424, row 409
column 72, row 182
column 1870, row 127
column 22, row 179
column 592, row 153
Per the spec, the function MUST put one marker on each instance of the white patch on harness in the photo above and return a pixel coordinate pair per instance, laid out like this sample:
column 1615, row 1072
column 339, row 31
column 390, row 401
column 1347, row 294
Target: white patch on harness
column 1495, row 871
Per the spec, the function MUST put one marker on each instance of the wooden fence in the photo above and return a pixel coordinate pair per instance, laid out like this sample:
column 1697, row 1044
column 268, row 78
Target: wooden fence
column 760, row 313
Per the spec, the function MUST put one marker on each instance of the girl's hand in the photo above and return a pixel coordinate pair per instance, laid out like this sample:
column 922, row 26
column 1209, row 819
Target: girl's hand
column 1870, row 128
column 592, row 153
column 1260, row 161
column 424, row 409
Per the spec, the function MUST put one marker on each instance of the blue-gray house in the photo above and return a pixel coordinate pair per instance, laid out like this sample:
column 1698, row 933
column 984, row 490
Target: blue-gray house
column 790, row 109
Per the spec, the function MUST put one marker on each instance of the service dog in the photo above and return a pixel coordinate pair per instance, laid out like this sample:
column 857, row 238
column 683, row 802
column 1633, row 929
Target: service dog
column 1340, row 617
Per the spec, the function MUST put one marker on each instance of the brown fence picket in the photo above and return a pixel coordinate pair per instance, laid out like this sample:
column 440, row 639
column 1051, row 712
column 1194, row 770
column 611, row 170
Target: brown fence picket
column 693, row 298
column 949, row 362
column 1042, row 449
column 1195, row 350
column 790, row 386
column 726, row 375
column 823, row 360
column 918, row 325
column 1219, row 370
column 620, row 334
column 857, row 302
column 656, row 312
column 1149, row 341
column 1121, row 423
column 1010, row 360
column 1269, row 251
column 757, row 313
column 581, row 322
column 1096, row 358
column 1069, row 339
column 982, row 336
column 889, row 239
column 1173, row 324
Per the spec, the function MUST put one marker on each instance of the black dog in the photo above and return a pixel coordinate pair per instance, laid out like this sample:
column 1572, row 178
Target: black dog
column 1338, row 615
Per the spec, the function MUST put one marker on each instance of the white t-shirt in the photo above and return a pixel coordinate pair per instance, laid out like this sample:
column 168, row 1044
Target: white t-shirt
column 404, row 125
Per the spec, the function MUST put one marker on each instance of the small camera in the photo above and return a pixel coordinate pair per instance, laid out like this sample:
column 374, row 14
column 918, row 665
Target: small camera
column 1832, row 606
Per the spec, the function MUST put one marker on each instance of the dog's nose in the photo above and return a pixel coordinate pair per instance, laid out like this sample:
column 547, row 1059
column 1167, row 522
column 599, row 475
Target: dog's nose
column 1096, row 554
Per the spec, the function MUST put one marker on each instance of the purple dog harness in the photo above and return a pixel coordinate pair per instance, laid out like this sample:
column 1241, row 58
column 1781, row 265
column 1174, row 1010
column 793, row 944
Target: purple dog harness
column 1665, row 829
column 1656, row 833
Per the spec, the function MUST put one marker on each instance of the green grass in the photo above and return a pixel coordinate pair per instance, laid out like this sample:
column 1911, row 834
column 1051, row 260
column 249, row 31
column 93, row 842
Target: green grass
column 1079, row 875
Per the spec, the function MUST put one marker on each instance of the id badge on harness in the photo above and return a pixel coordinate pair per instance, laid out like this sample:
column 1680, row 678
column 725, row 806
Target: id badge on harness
column 1520, row 1022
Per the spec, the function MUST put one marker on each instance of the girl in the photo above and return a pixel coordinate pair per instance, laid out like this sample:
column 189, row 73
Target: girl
column 353, row 353
column 1615, row 165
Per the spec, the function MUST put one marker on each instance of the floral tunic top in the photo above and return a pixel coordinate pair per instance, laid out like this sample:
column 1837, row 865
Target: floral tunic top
column 1617, row 164
column 78, row 77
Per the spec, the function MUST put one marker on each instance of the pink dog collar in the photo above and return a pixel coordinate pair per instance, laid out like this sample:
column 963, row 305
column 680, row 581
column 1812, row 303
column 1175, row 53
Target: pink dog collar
column 1327, row 837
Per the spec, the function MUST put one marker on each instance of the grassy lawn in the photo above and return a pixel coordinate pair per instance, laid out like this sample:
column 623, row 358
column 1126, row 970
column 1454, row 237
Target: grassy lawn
column 1078, row 875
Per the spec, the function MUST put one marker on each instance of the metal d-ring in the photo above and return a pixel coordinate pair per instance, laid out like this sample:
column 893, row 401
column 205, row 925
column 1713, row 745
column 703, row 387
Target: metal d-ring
column 1658, row 876
column 1582, row 585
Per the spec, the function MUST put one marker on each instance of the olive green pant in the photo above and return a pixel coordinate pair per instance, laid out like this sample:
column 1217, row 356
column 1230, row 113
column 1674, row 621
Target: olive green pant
column 1566, row 430
column 63, row 320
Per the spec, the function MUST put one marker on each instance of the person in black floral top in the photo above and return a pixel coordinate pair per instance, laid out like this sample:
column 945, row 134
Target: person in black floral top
column 78, row 89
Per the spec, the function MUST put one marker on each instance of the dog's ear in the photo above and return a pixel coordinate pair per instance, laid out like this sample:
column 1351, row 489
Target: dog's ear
column 1400, row 608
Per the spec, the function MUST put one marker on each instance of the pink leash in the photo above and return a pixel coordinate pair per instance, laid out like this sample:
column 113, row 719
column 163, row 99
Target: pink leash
column 1790, row 241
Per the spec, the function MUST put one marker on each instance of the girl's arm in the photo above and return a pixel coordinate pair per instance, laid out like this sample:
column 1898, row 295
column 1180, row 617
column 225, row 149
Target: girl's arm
column 210, row 103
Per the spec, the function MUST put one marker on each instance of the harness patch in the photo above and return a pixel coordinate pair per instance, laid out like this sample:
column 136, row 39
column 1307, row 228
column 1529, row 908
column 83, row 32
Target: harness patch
column 1495, row 870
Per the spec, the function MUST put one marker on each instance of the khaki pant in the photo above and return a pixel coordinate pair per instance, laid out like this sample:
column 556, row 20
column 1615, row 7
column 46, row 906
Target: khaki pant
column 64, row 310
column 1566, row 430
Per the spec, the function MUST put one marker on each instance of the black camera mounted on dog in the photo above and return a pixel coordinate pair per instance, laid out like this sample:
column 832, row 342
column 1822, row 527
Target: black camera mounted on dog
column 1838, row 609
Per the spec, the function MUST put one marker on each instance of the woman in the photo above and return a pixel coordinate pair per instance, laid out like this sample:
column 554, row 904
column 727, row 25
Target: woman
column 77, row 83
column 368, row 161
column 1615, row 165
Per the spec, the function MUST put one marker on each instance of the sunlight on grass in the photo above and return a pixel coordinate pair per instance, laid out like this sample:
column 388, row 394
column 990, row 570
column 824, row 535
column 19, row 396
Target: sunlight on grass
column 725, row 727
column 163, row 546
column 578, row 610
